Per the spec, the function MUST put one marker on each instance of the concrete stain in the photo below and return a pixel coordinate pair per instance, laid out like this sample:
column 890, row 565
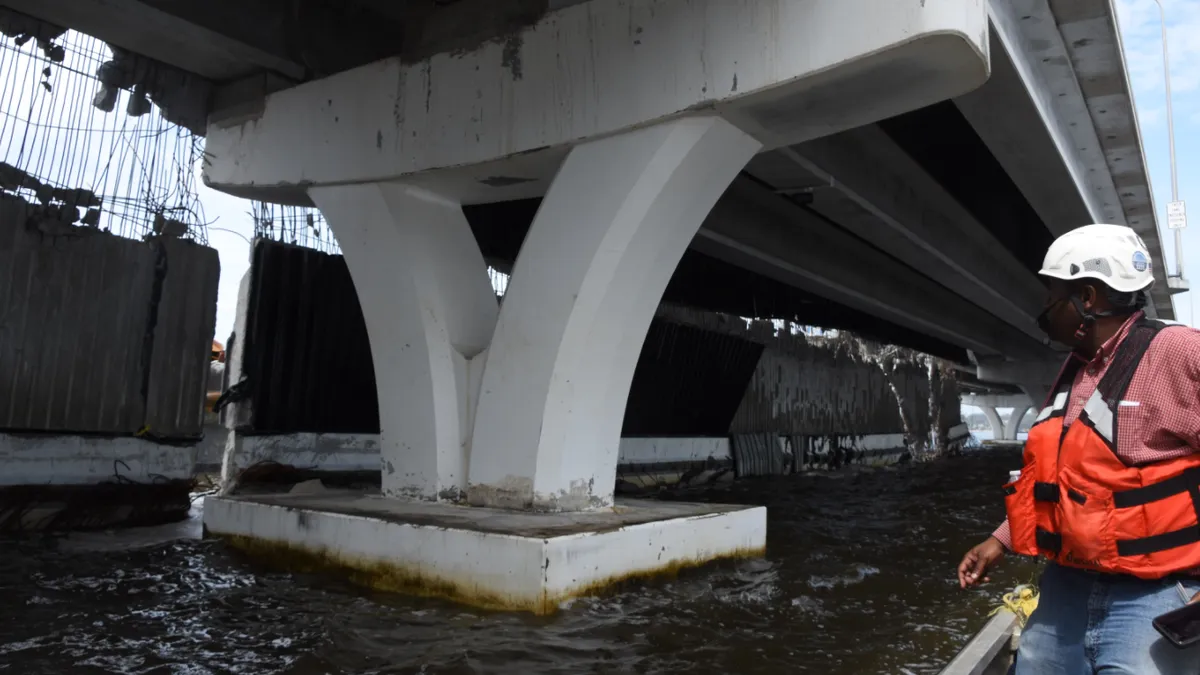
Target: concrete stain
column 398, row 103
column 512, row 492
column 503, row 181
column 428, row 84
column 413, row 580
column 511, row 56
column 452, row 494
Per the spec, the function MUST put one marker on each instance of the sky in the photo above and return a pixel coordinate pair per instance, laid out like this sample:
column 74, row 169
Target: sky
column 1141, row 31
column 1140, row 27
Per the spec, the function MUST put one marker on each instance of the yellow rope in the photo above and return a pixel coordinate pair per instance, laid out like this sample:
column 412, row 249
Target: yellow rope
column 1021, row 601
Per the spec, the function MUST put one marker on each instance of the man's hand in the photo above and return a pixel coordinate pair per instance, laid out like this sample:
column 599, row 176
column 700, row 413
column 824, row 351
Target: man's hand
column 1195, row 599
column 976, row 563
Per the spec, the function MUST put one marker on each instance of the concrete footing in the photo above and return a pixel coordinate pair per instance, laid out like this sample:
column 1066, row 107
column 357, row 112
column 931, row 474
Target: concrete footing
column 493, row 558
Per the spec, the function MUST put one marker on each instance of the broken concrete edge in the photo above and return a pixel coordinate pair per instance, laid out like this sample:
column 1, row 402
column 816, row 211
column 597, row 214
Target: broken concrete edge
column 26, row 509
column 600, row 563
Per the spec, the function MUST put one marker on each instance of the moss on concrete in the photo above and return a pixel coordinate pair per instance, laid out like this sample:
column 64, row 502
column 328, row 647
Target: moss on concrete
column 399, row 578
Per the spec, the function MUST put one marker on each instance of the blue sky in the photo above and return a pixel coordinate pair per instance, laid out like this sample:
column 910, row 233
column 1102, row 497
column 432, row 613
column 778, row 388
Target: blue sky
column 1142, row 33
column 1140, row 27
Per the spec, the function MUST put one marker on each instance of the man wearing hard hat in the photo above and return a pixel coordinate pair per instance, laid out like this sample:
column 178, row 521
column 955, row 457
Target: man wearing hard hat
column 1110, row 486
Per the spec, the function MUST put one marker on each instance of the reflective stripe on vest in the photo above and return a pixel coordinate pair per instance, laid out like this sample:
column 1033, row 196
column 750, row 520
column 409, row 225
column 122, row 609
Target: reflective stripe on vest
column 1100, row 415
column 1059, row 404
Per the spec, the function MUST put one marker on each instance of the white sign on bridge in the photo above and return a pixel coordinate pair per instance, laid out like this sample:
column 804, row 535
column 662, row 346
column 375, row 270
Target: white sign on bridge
column 1176, row 216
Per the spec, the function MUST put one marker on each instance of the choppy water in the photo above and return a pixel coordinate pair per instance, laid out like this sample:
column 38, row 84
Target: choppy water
column 859, row 578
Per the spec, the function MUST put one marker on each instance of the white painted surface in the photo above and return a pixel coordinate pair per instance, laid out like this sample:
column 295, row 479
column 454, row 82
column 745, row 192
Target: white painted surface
column 577, row 561
column 636, row 451
column 1176, row 215
column 430, row 311
column 590, row 274
column 323, row 452
column 783, row 70
column 524, row 570
column 82, row 460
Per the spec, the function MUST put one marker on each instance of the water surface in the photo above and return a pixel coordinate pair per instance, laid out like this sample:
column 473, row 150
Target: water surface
column 859, row 577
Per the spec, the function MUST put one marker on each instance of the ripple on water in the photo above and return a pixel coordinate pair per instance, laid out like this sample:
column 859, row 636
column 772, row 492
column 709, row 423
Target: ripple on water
column 857, row 575
column 841, row 552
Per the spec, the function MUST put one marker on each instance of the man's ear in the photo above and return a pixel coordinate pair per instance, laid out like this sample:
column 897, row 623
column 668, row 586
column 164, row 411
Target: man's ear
column 1088, row 296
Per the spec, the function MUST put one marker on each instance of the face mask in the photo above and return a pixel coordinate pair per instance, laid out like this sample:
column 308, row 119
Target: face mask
column 1043, row 319
column 1070, row 339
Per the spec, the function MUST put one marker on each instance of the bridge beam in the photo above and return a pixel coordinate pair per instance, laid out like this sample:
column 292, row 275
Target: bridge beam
column 755, row 228
column 546, row 87
column 1057, row 113
column 884, row 196
column 1034, row 376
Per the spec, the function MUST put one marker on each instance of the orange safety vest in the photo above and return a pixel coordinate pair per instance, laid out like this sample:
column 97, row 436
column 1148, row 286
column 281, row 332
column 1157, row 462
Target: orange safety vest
column 1078, row 504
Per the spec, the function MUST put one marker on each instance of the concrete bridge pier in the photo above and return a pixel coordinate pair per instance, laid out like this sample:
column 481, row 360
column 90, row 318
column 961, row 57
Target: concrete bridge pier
column 541, row 423
column 994, row 421
column 1004, row 430
column 500, row 424
column 519, row 409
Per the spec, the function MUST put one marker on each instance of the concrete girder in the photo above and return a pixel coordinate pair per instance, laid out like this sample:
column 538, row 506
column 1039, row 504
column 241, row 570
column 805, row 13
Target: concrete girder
column 1058, row 115
column 884, row 196
column 1013, row 115
column 1035, row 377
column 755, row 228
column 783, row 71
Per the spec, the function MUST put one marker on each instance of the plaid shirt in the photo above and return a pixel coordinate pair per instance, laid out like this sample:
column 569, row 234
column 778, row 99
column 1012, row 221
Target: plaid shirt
column 1165, row 422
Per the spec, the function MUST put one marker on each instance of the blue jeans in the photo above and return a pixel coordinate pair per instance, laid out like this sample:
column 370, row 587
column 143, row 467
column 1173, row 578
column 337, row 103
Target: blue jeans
column 1091, row 624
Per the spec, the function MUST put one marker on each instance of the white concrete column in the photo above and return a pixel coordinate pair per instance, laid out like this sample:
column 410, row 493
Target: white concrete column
column 608, row 235
column 430, row 312
column 1013, row 425
column 993, row 419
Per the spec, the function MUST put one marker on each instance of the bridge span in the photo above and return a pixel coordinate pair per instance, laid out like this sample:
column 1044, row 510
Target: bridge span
column 892, row 168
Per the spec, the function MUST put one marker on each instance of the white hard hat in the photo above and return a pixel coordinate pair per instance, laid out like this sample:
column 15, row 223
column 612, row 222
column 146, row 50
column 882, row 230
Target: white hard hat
column 1113, row 254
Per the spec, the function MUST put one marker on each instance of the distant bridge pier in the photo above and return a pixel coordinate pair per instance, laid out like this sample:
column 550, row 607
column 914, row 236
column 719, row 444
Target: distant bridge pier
column 630, row 129
column 989, row 403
